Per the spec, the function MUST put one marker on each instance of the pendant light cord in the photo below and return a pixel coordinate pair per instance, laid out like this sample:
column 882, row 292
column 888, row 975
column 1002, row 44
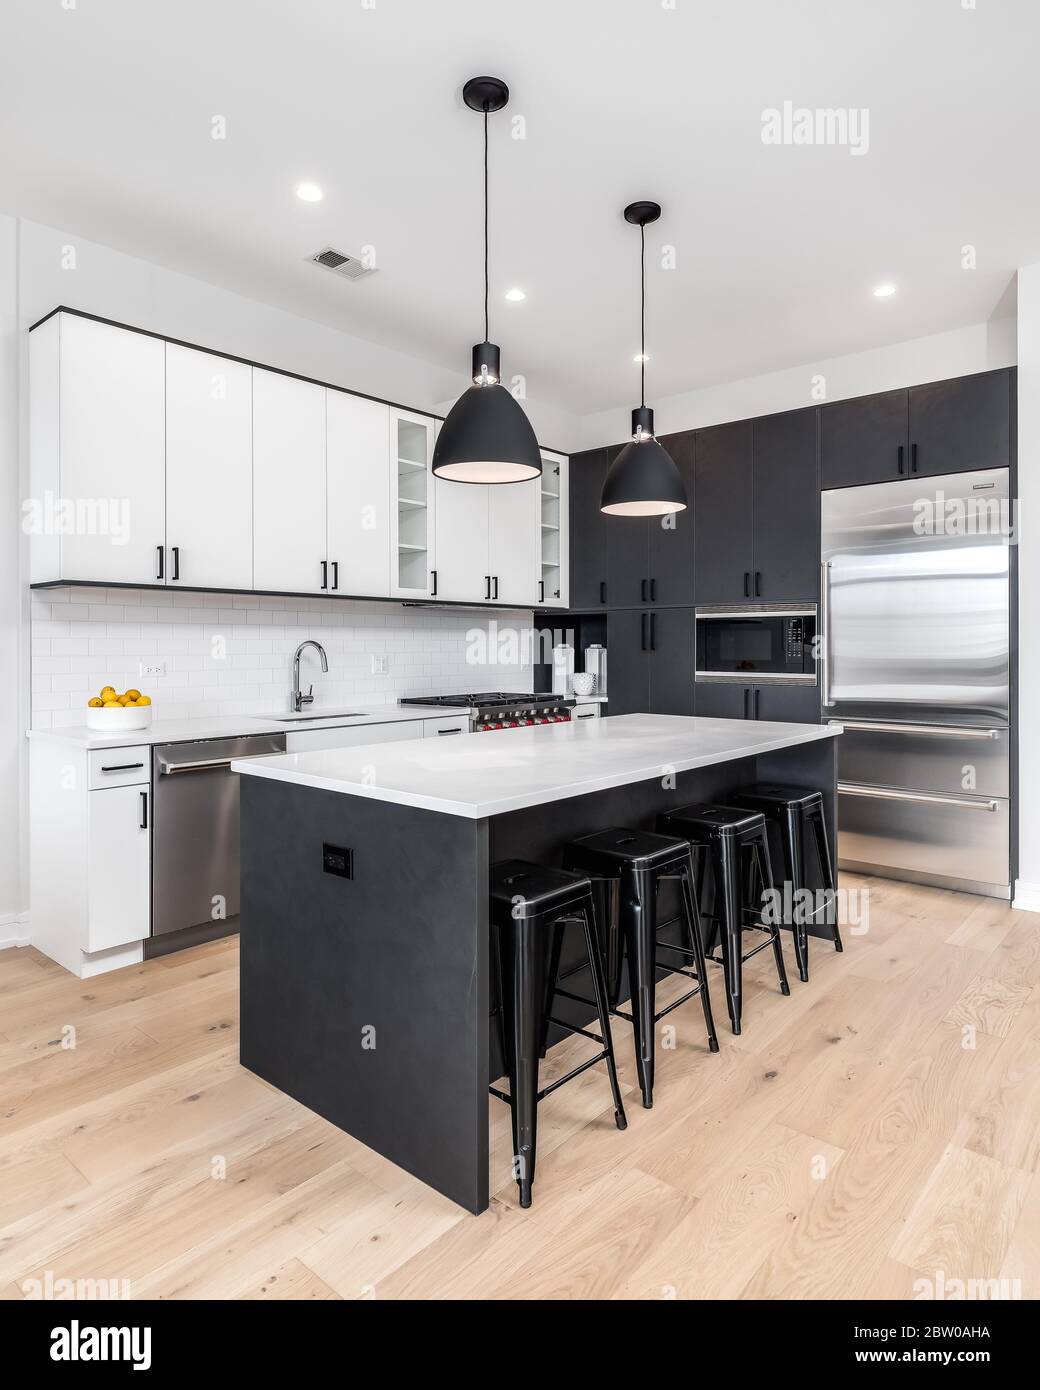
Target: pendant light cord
column 486, row 328
column 642, row 314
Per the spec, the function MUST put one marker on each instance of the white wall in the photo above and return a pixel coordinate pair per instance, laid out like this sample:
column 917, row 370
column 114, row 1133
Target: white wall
column 1027, row 892
column 11, row 678
column 964, row 350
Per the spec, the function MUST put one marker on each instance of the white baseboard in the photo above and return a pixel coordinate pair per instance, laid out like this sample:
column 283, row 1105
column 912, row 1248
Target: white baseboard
column 14, row 929
column 1027, row 896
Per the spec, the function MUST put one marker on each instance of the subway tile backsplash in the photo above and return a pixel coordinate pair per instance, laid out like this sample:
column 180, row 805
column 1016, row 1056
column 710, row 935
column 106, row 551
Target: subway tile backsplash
column 228, row 654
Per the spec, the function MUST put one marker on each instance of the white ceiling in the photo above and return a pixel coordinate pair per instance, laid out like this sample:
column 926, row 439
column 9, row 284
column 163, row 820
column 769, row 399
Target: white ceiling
column 105, row 118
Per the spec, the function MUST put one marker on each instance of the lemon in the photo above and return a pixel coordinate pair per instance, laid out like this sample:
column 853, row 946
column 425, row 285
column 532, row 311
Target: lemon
column 134, row 694
column 108, row 692
column 95, row 703
column 144, row 699
column 111, row 704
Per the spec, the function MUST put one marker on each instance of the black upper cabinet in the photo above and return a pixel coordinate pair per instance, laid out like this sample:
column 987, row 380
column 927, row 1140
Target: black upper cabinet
column 588, row 533
column 671, row 537
column 960, row 425
column 786, row 507
column 628, row 560
column 723, row 525
column 865, row 440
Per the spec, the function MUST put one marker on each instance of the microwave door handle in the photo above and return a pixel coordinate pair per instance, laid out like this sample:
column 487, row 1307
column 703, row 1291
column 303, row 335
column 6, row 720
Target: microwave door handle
column 824, row 634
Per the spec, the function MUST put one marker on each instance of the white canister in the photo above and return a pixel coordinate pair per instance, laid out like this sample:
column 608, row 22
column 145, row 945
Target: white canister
column 563, row 669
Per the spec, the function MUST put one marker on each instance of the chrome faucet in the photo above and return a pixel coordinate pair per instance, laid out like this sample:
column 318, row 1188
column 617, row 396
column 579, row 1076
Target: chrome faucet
column 297, row 701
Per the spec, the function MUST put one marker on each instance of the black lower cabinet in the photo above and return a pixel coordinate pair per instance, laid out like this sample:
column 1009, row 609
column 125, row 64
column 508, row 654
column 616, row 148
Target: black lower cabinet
column 781, row 704
column 650, row 661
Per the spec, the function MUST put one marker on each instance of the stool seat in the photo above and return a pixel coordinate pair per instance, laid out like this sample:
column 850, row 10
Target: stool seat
column 769, row 794
column 534, row 890
column 712, row 819
column 635, row 849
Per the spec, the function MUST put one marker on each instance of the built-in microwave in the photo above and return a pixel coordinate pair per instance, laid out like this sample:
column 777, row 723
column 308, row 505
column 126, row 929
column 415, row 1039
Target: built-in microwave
column 748, row 641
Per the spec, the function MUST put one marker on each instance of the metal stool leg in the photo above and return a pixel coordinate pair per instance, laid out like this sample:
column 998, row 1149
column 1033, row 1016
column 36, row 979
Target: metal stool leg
column 599, row 989
column 728, row 905
column 760, row 849
column 523, row 983
column 695, row 936
column 795, row 865
column 639, row 915
column 552, row 976
column 819, row 825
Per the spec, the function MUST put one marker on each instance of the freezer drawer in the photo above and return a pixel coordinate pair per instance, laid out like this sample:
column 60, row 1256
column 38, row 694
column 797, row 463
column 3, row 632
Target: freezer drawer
column 925, row 757
column 958, row 840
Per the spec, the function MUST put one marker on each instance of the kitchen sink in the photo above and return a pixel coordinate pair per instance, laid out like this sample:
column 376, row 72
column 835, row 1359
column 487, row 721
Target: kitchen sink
column 307, row 718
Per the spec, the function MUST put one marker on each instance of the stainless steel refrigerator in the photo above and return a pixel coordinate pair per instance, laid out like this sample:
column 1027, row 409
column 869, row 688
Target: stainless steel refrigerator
column 915, row 662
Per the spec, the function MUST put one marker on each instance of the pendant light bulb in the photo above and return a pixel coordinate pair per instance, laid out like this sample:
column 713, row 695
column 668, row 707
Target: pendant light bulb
column 486, row 437
column 643, row 480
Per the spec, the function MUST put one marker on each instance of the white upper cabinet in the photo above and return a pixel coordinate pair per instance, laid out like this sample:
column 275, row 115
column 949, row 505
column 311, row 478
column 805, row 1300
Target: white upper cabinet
column 357, row 494
column 209, row 470
column 514, row 552
column 100, row 460
column 413, row 505
column 554, row 527
column 463, row 567
column 288, row 484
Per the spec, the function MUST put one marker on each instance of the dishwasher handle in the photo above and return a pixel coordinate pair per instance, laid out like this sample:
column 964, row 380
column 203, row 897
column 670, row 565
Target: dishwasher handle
column 961, row 803
column 203, row 765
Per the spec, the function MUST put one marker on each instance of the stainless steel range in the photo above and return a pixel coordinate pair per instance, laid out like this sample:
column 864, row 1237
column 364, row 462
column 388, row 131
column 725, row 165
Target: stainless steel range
column 497, row 709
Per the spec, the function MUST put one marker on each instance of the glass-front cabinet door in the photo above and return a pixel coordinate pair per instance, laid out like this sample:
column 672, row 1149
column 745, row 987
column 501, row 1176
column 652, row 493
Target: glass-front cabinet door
column 413, row 565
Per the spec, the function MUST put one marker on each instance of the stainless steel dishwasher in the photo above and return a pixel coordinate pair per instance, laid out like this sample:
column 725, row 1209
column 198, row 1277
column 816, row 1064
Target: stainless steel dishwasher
column 195, row 829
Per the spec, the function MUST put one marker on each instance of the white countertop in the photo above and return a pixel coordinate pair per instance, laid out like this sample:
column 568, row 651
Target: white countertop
column 487, row 774
column 233, row 726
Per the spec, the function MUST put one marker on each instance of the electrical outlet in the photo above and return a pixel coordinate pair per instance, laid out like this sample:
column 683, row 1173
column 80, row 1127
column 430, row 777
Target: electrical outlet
column 152, row 668
column 380, row 666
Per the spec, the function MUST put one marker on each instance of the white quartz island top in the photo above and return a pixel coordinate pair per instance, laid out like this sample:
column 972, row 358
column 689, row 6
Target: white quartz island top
column 487, row 774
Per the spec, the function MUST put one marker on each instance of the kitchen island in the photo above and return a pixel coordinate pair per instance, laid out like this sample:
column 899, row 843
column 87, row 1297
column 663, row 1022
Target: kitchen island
column 365, row 945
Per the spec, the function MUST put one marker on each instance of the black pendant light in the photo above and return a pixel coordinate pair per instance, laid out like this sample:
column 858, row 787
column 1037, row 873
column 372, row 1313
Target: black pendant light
column 486, row 438
column 642, row 480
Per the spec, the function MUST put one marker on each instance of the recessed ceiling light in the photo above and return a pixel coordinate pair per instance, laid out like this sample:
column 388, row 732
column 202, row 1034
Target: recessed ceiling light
column 883, row 291
column 515, row 296
column 310, row 193
column 641, row 357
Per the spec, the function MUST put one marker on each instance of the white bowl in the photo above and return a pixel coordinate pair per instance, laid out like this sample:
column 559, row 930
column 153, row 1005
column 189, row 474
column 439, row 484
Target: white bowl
column 119, row 721
column 584, row 683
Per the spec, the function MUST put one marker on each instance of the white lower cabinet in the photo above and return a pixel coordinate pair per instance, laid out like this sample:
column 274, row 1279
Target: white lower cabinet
column 119, row 866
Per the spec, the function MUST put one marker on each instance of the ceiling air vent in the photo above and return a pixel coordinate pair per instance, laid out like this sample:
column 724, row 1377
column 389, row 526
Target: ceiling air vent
column 352, row 267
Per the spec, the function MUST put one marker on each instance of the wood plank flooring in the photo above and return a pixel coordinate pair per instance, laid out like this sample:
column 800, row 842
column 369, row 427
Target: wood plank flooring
column 880, row 1125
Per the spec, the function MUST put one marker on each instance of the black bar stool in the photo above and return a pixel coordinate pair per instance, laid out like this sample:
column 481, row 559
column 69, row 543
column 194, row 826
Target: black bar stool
column 528, row 902
column 638, row 862
column 795, row 820
column 740, row 864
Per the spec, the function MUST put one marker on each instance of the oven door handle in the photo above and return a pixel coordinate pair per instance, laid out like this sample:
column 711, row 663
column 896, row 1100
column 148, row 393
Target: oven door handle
column 929, row 798
column 204, row 765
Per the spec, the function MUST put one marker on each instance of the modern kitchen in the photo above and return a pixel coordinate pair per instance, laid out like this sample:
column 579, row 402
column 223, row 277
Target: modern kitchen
column 518, row 778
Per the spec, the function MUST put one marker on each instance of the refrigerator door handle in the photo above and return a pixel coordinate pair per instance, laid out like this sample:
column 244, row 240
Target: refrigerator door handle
column 824, row 634
column 932, row 730
column 930, row 798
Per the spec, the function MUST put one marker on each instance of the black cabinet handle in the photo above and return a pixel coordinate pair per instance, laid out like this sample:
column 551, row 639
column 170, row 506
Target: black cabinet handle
column 747, row 583
column 144, row 810
column 541, row 591
column 913, row 458
column 495, row 578
column 442, row 733
column 122, row 767
column 747, row 692
column 653, row 632
column 433, row 583
column 757, row 694
column 162, row 568
column 487, row 586
column 176, row 562
column 324, row 574
column 642, row 591
column 899, row 460
column 758, row 583
column 335, row 574
column 642, row 631
column 653, row 591
column 602, row 591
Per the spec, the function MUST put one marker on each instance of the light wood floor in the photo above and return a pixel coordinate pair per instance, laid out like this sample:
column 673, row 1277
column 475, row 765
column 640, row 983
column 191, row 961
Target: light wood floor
column 879, row 1125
